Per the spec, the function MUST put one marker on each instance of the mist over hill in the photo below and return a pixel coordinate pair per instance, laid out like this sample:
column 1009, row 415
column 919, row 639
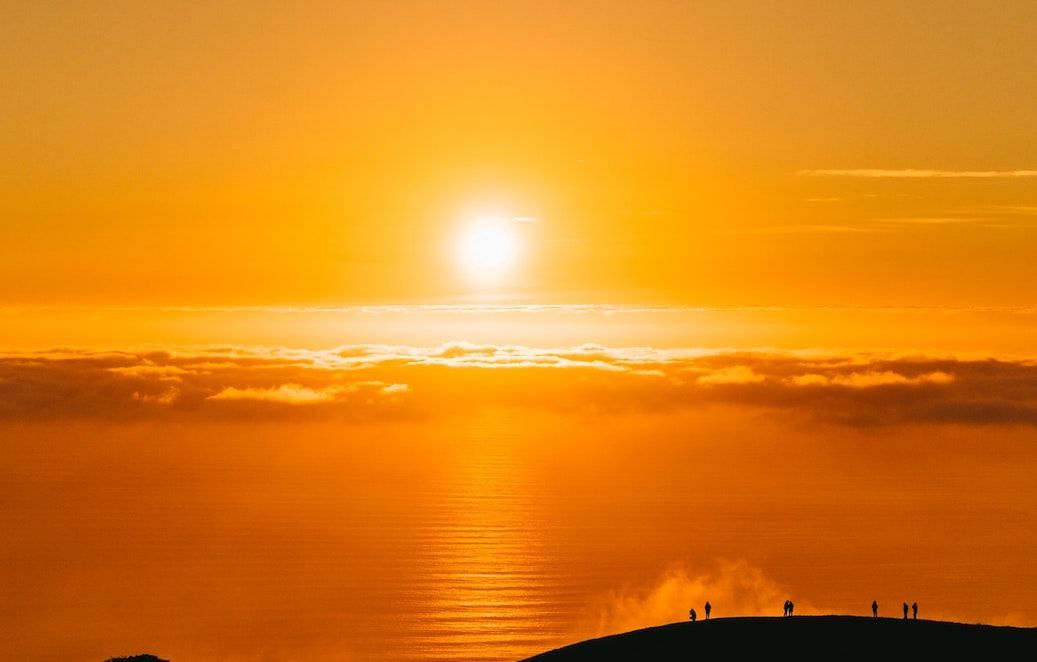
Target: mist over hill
column 805, row 638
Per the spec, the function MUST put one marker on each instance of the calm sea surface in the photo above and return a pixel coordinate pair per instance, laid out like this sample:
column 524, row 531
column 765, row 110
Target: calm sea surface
column 487, row 538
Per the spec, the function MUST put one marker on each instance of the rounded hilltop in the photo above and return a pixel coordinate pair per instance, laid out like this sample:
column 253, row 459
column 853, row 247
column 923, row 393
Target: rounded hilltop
column 802, row 638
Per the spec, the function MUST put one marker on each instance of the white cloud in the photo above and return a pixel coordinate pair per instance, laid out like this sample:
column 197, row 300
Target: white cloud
column 870, row 379
column 738, row 374
column 399, row 382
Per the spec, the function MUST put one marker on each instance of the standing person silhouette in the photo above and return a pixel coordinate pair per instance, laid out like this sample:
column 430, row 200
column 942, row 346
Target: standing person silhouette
column 792, row 607
column 692, row 615
column 709, row 608
column 786, row 610
column 914, row 610
column 875, row 608
column 905, row 611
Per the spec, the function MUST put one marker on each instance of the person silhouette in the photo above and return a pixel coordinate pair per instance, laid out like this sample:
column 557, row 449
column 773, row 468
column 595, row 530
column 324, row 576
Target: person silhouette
column 691, row 615
column 785, row 612
column 914, row 610
column 709, row 608
column 875, row 608
column 792, row 607
column 905, row 611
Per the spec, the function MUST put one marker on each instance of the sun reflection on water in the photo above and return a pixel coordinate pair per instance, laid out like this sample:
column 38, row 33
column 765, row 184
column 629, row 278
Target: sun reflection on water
column 493, row 595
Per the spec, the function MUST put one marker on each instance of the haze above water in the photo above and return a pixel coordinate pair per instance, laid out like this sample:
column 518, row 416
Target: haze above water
column 400, row 503
column 495, row 536
column 458, row 330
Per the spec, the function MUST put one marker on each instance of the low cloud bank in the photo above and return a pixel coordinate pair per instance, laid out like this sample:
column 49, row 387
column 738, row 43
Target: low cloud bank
column 384, row 382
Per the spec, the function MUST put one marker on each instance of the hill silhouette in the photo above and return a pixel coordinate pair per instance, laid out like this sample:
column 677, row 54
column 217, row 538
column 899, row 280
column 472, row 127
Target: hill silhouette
column 804, row 638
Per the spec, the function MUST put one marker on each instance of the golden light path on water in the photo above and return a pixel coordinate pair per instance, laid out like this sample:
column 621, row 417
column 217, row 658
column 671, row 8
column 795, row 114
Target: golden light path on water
column 491, row 536
column 500, row 511
column 494, row 593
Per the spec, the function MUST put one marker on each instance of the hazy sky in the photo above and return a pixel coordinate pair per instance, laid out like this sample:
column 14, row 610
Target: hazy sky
column 460, row 330
column 708, row 153
column 482, row 502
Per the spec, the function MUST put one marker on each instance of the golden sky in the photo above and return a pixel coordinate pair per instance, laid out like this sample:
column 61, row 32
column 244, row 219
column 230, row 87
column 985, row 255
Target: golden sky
column 802, row 153
column 460, row 330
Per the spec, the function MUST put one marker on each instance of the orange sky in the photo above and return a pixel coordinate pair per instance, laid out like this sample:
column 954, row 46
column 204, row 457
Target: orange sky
column 460, row 330
column 225, row 153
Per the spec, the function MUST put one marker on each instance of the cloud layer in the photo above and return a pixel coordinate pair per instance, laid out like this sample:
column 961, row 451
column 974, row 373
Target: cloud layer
column 914, row 173
column 379, row 382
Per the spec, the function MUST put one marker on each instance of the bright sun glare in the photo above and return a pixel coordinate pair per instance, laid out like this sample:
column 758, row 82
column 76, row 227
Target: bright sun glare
column 487, row 247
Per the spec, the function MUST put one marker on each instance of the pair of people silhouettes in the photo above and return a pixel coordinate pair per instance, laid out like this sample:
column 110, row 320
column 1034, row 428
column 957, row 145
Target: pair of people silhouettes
column 692, row 615
column 789, row 607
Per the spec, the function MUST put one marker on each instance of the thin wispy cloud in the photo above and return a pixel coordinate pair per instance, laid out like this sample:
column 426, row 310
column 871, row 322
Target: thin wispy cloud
column 990, row 219
column 913, row 173
column 1015, row 210
column 929, row 220
column 983, row 221
column 577, row 309
column 817, row 228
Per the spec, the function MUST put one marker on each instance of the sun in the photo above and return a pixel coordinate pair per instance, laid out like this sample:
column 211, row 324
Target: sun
column 487, row 248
